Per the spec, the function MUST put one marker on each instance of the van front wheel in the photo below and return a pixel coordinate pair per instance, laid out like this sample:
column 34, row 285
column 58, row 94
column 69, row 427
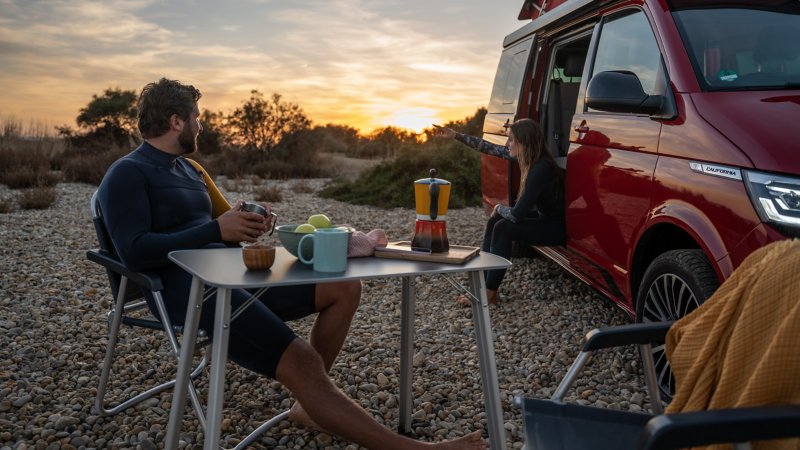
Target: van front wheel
column 675, row 284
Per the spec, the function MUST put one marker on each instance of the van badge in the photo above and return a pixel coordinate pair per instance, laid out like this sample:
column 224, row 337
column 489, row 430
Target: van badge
column 731, row 173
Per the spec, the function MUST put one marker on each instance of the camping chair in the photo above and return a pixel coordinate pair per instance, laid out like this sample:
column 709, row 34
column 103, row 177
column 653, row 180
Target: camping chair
column 556, row 425
column 125, row 293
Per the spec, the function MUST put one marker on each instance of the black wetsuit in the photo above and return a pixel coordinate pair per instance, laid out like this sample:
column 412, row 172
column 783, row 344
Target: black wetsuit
column 153, row 203
column 542, row 226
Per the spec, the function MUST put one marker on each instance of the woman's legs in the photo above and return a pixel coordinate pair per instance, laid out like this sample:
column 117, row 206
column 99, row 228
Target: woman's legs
column 495, row 225
column 538, row 232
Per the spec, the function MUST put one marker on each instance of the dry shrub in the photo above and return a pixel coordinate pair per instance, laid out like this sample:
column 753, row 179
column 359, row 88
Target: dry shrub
column 37, row 198
column 91, row 168
column 267, row 193
column 25, row 177
column 21, row 169
column 302, row 187
column 6, row 205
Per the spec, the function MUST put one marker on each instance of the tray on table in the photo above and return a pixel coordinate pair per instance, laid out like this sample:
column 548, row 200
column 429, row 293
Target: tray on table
column 457, row 255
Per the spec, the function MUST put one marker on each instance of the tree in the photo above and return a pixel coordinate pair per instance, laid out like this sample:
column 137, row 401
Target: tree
column 260, row 124
column 472, row 125
column 214, row 136
column 111, row 115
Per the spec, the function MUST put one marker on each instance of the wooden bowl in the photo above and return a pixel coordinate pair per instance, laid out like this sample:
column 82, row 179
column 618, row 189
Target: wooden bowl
column 258, row 257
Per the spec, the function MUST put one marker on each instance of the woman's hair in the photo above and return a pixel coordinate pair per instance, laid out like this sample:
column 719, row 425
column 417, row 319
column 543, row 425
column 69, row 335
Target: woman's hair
column 530, row 139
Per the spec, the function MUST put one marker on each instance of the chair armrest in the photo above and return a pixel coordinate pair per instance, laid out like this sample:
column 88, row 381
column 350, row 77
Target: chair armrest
column 638, row 333
column 146, row 278
column 702, row 428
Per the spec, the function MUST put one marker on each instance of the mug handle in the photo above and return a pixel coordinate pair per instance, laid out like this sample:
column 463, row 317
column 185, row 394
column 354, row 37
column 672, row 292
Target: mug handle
column 300, row 249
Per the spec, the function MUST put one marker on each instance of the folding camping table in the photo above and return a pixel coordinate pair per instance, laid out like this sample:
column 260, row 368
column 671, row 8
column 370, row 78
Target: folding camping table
column 224, row 269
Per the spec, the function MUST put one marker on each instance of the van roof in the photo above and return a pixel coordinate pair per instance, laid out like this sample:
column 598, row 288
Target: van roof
column 559, row 15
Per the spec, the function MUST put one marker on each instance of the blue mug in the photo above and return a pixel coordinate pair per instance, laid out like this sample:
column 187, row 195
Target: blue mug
column 330, row 250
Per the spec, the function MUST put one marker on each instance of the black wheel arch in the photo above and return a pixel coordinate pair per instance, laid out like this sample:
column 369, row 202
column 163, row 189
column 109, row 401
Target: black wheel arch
column 658, row 239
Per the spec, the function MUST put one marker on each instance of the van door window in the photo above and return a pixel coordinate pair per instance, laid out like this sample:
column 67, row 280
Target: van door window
column 627, row 43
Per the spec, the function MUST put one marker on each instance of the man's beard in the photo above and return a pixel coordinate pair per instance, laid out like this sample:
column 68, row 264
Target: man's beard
column 188, row 141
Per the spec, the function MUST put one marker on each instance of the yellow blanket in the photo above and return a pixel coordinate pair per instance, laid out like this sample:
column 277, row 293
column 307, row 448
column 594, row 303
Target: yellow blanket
column 741, row 348
column 219, row 205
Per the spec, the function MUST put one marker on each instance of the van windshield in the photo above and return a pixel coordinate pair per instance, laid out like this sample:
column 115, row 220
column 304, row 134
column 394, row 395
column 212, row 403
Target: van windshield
column 749, row 46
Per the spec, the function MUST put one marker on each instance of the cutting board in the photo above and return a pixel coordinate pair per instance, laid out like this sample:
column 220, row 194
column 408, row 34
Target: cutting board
column 456, row 255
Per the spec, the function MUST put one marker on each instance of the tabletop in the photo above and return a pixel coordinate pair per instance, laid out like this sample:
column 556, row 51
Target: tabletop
column 225, row 268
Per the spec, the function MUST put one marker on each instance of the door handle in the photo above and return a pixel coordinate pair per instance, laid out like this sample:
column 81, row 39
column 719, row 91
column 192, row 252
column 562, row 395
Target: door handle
column 582, row 129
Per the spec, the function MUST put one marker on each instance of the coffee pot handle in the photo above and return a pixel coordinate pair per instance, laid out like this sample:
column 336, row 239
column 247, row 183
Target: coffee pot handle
column 433, row 190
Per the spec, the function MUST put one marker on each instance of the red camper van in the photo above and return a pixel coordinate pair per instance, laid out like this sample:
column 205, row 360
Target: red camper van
column 674, row 121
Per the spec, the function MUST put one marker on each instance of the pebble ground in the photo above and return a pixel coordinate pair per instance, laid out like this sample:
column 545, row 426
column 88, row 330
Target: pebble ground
column 53, row 337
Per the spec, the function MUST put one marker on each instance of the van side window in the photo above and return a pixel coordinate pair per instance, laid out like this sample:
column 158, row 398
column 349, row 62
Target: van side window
column 627, row 43
column 508, row 81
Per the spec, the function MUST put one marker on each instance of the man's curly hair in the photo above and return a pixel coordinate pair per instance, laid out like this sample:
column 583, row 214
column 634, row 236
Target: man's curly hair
column 159, row 101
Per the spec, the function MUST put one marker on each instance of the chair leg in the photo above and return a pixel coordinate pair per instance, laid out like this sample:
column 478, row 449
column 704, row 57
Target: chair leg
column 173, row 339
column 116, row 321
column 113, row 336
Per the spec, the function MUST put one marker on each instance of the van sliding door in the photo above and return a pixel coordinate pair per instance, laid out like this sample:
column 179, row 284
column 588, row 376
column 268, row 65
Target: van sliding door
column 503, row 108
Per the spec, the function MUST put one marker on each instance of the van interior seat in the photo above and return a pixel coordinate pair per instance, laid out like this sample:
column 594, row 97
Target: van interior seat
column 568, row 93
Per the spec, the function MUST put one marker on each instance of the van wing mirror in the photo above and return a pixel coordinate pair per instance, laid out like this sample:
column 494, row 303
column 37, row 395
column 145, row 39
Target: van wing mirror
column 621, row 92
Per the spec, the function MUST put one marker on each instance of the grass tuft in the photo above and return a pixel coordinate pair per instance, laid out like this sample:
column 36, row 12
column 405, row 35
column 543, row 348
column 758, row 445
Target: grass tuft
column 302, row 187
column 6, row 205
column 37, row 198
column 268, row 193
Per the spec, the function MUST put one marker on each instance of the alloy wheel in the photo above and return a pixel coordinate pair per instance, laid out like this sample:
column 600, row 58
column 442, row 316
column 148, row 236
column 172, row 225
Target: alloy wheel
column 668, row 298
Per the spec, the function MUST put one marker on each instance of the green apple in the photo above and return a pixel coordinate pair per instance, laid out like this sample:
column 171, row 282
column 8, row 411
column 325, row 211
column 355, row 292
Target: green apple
column 305, row 228
column 319, row 221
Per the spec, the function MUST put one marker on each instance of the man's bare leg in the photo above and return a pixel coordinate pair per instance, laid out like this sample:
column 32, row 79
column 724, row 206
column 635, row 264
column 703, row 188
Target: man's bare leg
column 301, row 369
column 337, row 304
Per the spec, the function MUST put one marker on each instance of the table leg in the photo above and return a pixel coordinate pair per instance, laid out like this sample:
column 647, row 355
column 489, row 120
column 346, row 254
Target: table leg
column 216, row 378
column 406, row 353
column 188, row 341
column 487, row 362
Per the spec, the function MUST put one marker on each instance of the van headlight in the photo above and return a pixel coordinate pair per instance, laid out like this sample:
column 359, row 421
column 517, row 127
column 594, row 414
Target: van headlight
column 776, row 199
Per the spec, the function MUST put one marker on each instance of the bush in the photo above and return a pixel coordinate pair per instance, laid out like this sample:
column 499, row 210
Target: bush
column 37, row 198
column 270, row 194
column 302, row 187
column 22, row 169
column 86, row 167
column 6, row 206
column 391, row 183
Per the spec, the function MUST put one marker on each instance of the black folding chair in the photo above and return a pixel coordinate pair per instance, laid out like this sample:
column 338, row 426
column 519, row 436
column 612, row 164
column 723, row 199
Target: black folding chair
column 556, row 425
column 125, row 293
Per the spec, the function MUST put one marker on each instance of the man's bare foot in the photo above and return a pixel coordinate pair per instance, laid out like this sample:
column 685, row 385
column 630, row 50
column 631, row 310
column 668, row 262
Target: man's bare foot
column 472, row 441
column 463, row 301
column 299, row 415
column 491, row 298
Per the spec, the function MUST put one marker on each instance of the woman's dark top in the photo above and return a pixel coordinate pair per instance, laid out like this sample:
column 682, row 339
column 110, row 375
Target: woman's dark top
column 541, row 190
column 153, row 203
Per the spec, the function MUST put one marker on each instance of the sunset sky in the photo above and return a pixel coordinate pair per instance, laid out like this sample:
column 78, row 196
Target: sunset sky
column 364, row 63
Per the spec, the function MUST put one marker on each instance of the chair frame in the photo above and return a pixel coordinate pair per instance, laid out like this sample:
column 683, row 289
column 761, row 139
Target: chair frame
column 119, row 277
column 684, row 430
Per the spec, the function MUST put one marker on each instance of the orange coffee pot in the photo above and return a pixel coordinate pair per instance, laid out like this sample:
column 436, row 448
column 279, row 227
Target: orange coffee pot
column 430, row 230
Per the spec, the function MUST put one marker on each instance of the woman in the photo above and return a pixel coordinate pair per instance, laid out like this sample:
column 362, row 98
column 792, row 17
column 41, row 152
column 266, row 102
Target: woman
column 541, row 186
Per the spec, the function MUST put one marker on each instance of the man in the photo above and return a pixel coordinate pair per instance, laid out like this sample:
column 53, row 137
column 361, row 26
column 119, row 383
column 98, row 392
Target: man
column 153, row 202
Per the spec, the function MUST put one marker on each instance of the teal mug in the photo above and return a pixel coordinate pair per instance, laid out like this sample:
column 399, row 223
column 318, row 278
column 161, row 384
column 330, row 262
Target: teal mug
column 330, row 250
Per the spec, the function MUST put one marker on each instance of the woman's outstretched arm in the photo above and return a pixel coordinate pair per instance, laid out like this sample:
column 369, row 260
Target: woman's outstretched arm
column 500, row 151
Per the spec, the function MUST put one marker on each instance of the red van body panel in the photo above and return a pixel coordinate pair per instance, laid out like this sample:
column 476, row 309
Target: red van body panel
column 764, row 123
column 716, row 211
column 680, row 138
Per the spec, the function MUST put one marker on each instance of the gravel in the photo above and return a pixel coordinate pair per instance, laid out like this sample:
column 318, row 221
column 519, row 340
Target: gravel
column 53, row 336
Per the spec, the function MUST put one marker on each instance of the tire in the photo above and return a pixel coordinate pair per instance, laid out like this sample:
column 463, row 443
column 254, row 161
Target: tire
column 675, row 284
